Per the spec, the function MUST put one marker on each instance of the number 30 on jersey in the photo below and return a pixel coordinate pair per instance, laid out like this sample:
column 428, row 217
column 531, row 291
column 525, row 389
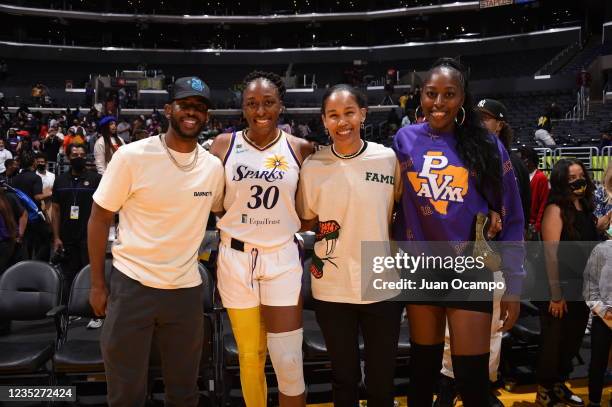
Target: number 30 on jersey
column 269, row 198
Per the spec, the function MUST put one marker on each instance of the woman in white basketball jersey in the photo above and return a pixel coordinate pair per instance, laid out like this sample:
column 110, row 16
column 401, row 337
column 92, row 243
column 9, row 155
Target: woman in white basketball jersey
column 348, row 191
column 259, row 268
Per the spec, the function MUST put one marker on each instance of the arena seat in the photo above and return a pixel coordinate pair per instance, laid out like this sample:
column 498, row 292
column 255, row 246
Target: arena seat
column 79, row 350
column 29, row 291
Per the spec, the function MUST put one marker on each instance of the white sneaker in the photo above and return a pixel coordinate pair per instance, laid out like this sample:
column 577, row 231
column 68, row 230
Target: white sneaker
column 95, row 323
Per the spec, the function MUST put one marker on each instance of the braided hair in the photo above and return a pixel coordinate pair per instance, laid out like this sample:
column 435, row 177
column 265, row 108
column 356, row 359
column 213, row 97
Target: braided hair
column 476, row 148
column 276, row 80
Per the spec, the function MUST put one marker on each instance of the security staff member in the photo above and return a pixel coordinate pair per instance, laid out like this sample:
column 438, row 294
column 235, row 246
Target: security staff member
column 71, row 203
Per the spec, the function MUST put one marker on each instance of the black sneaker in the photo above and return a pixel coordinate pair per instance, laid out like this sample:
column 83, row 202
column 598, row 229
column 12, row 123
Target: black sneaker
column 567, row 396
column 548, row 398
column 447, row 394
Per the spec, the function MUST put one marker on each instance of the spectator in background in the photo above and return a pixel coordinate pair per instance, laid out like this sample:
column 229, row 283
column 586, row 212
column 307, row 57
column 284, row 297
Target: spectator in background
column 74, row 136
column 597, row 292
column 20, row 215
column 538, row 182
column 25, row 142
column 284, row 126
column 76, row 125
column 12, row 140
column 48, row 178
column 411, row 105
column 38, row 94
column 12, row 168
column 89, row 94
column 393, row 121
column 405, row 120
column 91, row 136
column 303, row 130
column 9, row 232
column 4, row 155
column 583, row 81
column 417, row 94
column 603, row 202
column 543, row 134
column 71, row 203
column 107, row 144
column 568, row 217
column 27, row 181
column 606, row 136
column 51, row 145
column 37, row 238
column 140, row 135
column 123, row 131
column 495, row 119
column 403, row 100
column 122, row 96
column 137, row 124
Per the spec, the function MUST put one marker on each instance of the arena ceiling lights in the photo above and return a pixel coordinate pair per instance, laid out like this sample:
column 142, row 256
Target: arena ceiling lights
column 262, row 19
column 221, row 51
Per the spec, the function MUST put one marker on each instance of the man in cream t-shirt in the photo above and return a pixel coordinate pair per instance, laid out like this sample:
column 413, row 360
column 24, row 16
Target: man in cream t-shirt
column 164, row 189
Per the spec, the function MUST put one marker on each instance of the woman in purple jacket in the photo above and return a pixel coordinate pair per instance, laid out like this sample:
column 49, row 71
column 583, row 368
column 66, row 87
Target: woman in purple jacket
column 452, row 169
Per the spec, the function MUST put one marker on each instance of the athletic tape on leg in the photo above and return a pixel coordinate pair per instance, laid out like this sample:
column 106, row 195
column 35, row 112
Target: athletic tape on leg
column 285, row 351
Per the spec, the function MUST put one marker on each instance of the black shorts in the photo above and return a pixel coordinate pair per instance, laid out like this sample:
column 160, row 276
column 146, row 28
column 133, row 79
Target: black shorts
column 477, row 306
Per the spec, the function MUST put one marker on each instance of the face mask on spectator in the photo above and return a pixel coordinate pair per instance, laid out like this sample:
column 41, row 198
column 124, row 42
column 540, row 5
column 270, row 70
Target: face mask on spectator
column 578, row 186
column 78, row 164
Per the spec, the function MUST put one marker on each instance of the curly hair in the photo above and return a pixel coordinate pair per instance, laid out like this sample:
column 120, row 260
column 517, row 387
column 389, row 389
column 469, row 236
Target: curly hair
column 561, row 194
column 276, row 80
column 476, row 148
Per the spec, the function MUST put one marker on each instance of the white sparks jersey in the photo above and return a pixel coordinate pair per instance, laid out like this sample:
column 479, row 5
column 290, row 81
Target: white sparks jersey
column 260, row 189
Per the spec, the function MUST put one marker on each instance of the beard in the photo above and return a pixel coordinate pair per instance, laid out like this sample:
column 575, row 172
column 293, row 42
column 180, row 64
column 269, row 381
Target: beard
column 176, row 126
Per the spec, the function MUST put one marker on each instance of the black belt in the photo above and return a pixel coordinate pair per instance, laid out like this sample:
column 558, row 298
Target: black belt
column 237, row 244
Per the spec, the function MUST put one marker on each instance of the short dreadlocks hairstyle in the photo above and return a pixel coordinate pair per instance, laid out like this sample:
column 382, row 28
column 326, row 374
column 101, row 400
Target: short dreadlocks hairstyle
column 272, row 77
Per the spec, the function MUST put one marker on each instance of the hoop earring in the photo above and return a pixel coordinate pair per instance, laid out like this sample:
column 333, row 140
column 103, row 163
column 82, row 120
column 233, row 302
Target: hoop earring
column 462, row 120
column 416, row 114
column 363, row 125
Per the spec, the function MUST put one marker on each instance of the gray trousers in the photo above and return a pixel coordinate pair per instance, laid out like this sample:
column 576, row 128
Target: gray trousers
column 134, row 315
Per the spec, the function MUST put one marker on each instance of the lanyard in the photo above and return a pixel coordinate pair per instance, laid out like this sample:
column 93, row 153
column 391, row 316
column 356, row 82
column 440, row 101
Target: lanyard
column 75, row 192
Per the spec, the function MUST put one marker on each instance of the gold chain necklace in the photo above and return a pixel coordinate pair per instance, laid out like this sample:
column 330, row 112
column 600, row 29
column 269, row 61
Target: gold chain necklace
column 183, row 167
